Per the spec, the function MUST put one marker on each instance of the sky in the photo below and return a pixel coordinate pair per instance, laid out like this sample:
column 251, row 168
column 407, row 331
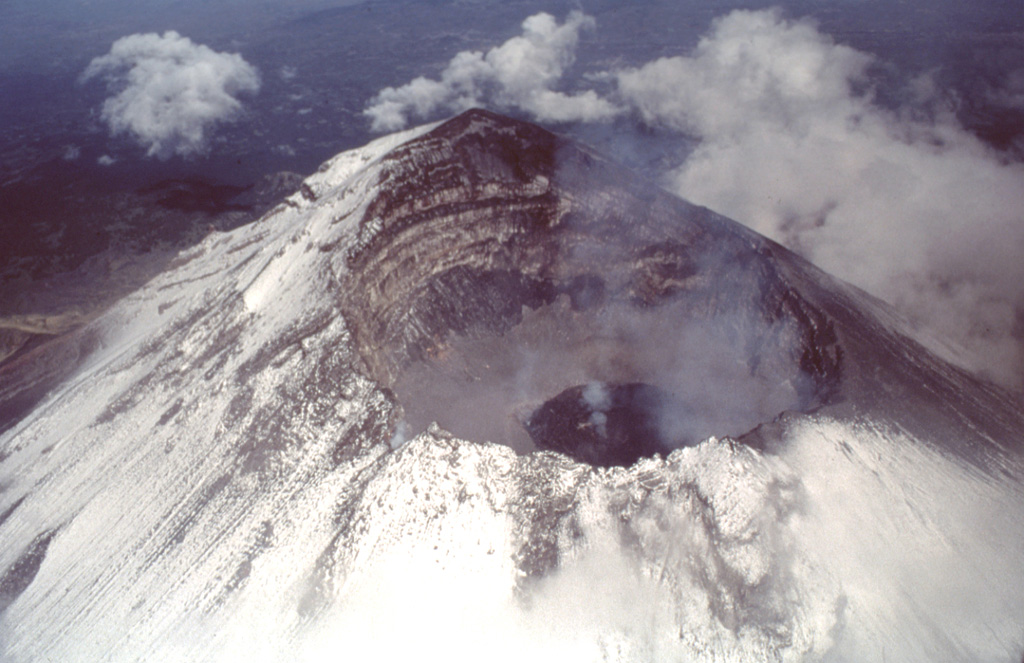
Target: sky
column 883, row 143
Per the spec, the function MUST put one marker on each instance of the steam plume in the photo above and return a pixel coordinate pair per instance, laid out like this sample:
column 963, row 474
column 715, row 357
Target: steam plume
column 520, row 74
column 908, row 205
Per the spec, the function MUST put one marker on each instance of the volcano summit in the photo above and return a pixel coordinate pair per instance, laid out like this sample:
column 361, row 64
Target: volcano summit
column 499, row 265
column 475, row 391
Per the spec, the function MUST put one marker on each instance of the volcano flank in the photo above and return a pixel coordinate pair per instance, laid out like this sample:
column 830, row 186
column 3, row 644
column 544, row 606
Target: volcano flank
column 476, row 385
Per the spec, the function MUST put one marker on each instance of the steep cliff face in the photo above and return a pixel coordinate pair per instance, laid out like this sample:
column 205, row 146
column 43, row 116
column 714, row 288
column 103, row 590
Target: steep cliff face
column 706, row 449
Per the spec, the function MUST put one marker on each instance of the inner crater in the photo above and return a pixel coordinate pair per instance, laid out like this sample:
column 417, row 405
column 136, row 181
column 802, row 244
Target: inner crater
column 518, row 289
column 675, row 381
column 608, row 424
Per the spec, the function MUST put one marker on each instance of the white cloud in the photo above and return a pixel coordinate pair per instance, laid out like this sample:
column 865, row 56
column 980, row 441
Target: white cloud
column 288, row 73
column 916, row 211
column 106, row 160
column 169, row 92
column 752, row 65
column 520, row 74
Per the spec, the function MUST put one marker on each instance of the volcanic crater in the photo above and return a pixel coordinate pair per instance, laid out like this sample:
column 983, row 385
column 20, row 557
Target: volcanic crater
column 510, row 272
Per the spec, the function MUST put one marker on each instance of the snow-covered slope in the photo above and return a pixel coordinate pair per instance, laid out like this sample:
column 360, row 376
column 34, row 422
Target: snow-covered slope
column 227, row 478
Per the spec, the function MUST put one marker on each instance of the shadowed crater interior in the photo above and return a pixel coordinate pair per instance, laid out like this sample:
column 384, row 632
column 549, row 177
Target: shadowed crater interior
column 515, row 276
column 609, row 424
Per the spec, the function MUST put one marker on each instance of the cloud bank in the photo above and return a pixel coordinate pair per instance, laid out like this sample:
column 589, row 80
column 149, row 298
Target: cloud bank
column 903, row 202
column 169, row 92
column 521, row 74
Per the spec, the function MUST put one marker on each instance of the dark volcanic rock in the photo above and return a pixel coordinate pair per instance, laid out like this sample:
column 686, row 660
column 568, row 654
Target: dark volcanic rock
column 606, row 425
